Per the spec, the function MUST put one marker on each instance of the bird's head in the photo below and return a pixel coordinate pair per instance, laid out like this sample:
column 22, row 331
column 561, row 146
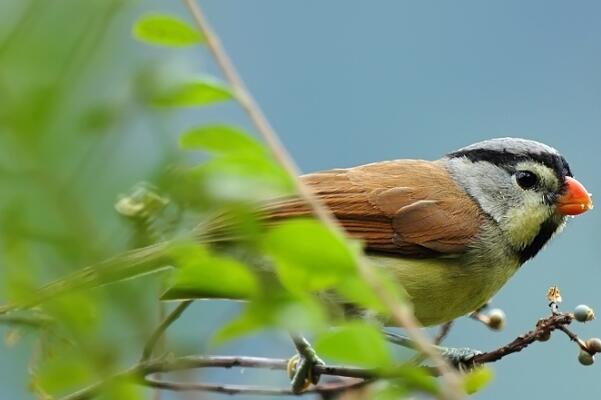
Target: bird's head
column 525, row 187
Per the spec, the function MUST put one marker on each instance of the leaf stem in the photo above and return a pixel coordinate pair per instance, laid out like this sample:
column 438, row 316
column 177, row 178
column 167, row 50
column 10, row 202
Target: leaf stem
column 160, row 330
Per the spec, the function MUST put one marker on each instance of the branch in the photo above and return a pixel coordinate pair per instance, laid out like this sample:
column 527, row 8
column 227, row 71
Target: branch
column 543, row 328
column 160, row 330
column 139, row 374
column 401, row 314
column 443, row 332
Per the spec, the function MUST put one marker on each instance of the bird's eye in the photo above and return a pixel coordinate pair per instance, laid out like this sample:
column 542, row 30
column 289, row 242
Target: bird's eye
column 526, row 179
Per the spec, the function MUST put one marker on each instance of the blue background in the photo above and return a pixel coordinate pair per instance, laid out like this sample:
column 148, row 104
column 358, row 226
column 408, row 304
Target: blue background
column 350, row 82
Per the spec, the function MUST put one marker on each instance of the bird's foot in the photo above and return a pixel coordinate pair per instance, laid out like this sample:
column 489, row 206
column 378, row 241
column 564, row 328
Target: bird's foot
column 301, row 368
column 460, row 358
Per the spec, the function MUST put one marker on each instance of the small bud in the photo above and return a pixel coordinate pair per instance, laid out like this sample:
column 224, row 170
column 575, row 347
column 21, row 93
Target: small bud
column 496, row 319
column 585, row 358
column 544, row 336
column 553, row 294
column 594, row 345
column 583, row 313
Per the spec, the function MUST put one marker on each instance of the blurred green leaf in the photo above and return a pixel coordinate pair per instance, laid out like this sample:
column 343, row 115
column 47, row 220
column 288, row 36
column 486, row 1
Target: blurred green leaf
column 356, row 291
column 415, row 377
column 195, row 93
column 403, row 380
column 204, row 275
column 65, row 372
column 276, row 310
column 78, row 311
column 220, row 139
column 122, row 390
column 477, row 379
column 358, row 343
column 308, row 256
column 386, row 390
column 243, row 177
column 166, row 30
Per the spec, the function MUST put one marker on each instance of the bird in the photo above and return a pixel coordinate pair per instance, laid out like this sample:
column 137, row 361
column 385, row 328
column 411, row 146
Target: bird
column 453, row 231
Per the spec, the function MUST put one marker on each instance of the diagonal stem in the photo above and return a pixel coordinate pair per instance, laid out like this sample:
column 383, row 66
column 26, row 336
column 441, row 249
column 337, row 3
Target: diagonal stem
column 160, row 330
column 401, row 313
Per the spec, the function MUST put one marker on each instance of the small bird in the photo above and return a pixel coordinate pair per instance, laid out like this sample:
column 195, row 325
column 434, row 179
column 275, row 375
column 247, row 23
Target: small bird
column 452, row 231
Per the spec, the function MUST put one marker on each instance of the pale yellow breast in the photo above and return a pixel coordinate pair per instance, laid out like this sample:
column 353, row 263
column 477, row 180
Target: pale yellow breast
column 443, row 289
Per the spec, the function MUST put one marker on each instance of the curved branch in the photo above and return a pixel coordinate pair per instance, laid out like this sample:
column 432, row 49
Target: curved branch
column 250, row 390
column 139, row 374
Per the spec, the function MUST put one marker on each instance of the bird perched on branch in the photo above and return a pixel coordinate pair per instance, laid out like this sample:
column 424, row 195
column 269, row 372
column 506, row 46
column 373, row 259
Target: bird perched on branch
column 452, row 231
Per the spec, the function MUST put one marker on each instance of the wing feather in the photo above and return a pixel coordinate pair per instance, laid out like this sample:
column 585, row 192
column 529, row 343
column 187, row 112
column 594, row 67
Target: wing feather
column 405, row 207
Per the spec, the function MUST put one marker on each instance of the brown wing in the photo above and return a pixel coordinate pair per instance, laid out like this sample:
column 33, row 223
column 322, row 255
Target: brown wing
column 407, row 207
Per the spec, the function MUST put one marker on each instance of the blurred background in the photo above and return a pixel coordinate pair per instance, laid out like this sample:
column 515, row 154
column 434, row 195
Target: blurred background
column 343, row 83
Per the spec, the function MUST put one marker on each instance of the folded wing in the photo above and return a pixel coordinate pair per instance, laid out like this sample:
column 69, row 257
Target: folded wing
column 405, row 207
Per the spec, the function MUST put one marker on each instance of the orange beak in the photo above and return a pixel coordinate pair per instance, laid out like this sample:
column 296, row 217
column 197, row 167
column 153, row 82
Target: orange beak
column 575, row 200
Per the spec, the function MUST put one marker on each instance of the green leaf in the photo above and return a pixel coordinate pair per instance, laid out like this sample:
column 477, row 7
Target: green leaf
column 477, row 379
column 201, row 92
column 244, row 176
column 358, row 343
column 276, row 310
column 204, row 275
column 67, row 372
column 165, row 30
column 220, row 139
column 356, row 291
column 403, row 380
column 308, row 256
column 122, row 390
column 414, row 377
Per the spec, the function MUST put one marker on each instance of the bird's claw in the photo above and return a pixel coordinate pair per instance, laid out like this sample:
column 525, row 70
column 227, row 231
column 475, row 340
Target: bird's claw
column 461, row 357
column 302, row 372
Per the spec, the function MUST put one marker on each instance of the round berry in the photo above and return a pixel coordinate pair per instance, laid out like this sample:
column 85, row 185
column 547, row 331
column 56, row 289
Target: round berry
column 585, row 358
column 544, row 336
column 594, row 345
column 583, row 313
column 496, row 319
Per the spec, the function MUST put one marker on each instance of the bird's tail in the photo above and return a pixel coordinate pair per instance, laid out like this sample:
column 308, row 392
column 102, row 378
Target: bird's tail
column 124, row 266
column 214, row 230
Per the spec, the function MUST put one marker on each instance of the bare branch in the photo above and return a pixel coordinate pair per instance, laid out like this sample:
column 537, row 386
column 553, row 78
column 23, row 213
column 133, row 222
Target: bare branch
column 139, row 374
column 542, row 329
column 443, row 332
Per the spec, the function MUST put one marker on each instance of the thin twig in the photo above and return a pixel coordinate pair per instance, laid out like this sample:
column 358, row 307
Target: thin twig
column 158, row 333
column 139, row 374
column 250, row 390
column 443, row 331
column 573, row 337
column 542, row 329
column 401, row 314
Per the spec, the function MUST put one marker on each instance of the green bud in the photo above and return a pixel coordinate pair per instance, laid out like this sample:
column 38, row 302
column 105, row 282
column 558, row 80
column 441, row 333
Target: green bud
column 585, row 358
column 583, row 313
column 594, row 345
column 496, row 319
